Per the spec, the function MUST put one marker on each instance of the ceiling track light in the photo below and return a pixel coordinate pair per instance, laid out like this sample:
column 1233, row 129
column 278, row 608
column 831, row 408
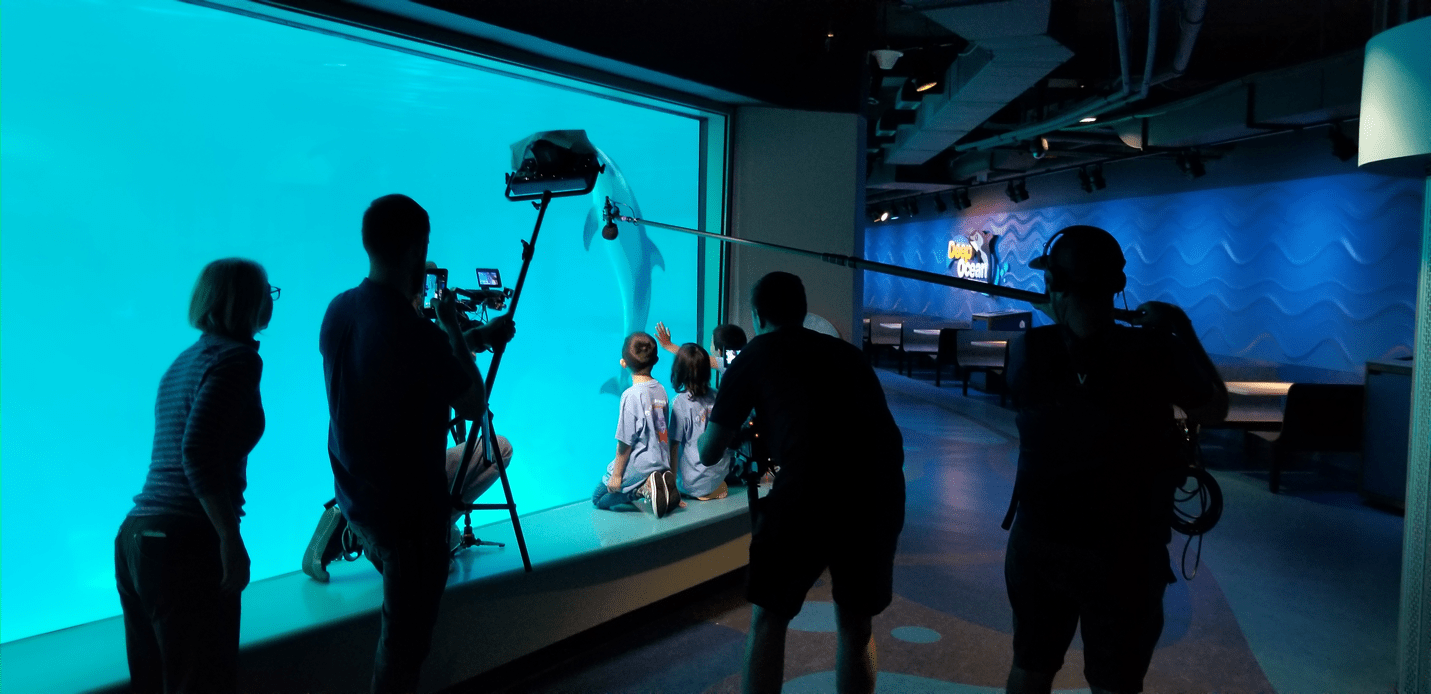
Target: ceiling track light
column 893, row 213
column 1038, row 147
column 961, row 199
column 1017, row 191
column 1190, row 163
column 1090, row 178
column 939, row 205
column 1343, row 147
column 913, row 206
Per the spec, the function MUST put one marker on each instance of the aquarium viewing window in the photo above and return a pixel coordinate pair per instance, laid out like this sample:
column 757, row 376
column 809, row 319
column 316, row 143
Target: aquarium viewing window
column 145, row 138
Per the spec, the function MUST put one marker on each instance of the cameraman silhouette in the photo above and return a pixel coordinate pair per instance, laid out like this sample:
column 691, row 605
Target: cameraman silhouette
column 391, row 377
column 822, row 413
column 1094, row 493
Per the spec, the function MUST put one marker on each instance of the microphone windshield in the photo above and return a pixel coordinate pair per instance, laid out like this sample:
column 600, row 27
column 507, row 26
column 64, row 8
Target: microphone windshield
column 608, row 232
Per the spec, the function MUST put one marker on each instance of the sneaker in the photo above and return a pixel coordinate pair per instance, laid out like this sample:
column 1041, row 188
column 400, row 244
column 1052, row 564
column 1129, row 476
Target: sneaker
column 326, row 543
column 673, row 494
column 654, row 490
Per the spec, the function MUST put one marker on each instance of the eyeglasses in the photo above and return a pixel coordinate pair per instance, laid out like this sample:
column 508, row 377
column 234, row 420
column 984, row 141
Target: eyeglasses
column 273, row 292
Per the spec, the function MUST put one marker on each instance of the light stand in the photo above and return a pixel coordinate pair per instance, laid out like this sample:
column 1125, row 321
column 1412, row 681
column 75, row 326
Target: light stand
column 577, row 176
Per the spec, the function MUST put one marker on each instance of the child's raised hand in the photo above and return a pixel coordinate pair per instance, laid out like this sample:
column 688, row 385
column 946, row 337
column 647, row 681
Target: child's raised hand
column 663, row 335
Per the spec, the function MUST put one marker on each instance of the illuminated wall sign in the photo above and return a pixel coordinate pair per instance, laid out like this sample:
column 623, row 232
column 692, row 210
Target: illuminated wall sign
column 972, row 256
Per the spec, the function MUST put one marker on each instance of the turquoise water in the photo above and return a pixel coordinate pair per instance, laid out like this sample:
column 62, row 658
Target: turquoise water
column 140, row 140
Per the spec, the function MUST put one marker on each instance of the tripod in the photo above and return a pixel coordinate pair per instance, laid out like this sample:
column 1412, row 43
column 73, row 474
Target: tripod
column 484, row 426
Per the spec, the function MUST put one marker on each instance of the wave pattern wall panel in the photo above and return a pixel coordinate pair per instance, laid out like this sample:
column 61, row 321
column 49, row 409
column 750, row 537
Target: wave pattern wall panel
column 1316, row 272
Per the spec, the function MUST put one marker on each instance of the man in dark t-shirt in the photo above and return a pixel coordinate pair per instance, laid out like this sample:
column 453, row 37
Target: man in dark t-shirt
column 823, row 415
column 391, row 377
column 1094, row 492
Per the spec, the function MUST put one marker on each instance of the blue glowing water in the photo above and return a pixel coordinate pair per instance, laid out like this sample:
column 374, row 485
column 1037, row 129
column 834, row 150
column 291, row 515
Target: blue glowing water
column 144, row 139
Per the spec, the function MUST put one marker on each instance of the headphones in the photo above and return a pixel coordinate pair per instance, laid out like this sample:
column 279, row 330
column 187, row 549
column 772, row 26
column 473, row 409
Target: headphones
column 1057, row 278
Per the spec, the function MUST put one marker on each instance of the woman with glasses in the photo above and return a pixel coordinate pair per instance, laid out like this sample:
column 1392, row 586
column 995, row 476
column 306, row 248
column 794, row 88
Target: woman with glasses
column 179, row 560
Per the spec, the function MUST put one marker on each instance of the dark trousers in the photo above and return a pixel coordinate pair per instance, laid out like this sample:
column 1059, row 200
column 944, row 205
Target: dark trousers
column 414, row 566
column 1115, row 596
column 605, row 499
column 180, row 633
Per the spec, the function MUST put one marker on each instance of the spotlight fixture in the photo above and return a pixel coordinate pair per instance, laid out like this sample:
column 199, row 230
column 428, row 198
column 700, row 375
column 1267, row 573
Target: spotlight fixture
column 876, row 215
column 884, row 215
column 893, row 213
column 1091, row 178
column 886, row 57
column 939, row 205
column 913, row 205
column 961, row 199
column 1190, row 163
column 1343, row 147
column 1038, row 147
column 1088, row 119
column 1017, row 191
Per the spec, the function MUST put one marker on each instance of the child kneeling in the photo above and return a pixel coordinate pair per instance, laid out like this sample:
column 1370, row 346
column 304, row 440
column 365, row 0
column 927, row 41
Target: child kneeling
column 641, row 473
column 691, row 377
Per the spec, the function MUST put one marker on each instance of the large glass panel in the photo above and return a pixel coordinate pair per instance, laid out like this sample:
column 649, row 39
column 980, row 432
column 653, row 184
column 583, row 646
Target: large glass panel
column 142, row 139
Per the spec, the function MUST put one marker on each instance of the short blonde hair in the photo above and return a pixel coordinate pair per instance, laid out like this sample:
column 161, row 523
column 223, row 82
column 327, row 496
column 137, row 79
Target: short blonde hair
column 229, row 298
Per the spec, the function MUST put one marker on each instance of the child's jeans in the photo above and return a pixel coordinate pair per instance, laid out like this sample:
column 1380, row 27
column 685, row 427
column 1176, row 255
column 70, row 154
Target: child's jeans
column 605, row 498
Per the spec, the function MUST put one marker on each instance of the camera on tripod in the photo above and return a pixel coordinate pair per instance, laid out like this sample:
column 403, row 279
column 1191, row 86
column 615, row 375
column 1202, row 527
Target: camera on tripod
column 490, row 293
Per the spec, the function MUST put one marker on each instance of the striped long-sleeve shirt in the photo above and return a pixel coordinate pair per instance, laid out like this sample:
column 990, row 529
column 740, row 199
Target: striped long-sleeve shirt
column 207, row 418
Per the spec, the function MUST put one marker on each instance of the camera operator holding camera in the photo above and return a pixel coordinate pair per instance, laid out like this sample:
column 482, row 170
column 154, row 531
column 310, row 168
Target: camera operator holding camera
column 391, row 377
column 1093, row 498
column 822, row 412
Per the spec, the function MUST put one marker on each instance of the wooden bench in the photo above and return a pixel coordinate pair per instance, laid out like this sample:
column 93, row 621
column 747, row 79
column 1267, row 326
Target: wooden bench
column 921, row 341
column 887, row 335
column 1296, row 418
column 969, row 351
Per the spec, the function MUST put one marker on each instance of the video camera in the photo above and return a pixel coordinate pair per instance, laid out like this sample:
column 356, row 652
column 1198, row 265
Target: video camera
column 489, row 295
column 751, row 457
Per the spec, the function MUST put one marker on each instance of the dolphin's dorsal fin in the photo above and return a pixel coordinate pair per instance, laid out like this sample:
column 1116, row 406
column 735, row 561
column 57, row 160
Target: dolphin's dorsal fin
column 654, row 254
column 611, row 387
column 589, row 231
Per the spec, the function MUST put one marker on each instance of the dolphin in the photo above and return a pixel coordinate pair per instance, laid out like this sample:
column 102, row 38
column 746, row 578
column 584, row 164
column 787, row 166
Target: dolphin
column 632, row 255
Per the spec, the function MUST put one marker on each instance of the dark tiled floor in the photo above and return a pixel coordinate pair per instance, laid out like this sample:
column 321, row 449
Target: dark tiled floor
column 1270, row 603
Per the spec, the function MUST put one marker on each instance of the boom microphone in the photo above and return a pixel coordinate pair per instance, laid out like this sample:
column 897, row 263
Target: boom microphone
column 609, row 214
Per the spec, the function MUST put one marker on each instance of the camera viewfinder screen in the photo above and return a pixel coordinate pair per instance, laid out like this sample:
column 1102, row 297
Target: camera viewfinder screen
column 488, row 277
column 434, row 283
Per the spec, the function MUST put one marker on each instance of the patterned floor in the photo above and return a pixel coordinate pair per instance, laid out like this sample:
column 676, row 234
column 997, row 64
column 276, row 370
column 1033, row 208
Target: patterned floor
column 948, row 630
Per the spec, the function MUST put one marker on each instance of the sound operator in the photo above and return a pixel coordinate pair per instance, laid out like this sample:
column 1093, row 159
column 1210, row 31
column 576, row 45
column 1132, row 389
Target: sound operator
column 1093, row 498
column 823, row 414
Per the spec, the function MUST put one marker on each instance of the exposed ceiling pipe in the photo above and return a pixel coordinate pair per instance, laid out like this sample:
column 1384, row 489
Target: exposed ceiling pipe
column 1189, row 24
column 1091, row 107
column 1120, row 19
column 1152, row 49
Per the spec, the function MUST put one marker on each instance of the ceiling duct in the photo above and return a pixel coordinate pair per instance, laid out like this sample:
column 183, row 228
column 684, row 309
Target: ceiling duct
column 1010, row 52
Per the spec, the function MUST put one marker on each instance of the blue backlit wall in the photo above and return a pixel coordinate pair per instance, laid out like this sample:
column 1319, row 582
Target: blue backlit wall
column 1313, row 272
column 144, row 139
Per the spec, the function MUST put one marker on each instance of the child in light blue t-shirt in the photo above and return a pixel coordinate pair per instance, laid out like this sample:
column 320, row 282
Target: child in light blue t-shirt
column 691, row 377
column 641, row 472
